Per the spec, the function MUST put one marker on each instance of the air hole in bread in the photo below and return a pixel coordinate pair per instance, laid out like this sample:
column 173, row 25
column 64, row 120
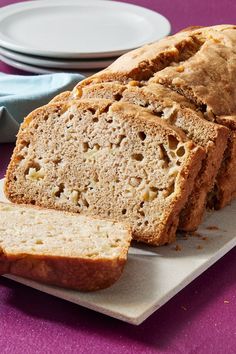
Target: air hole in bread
column 124, row 211
column 57, row 160
column 142, row 136
column 60, row 190
column 172, row 142
column 106, row 109
column 19, row 158
column 181, row 151
column 85, row 147
column 137, row 157
column 144, row 104
column 95, row 119
column 25, row 143
column 92, row 110
column 71, row 116
column 109, row 120
column 45, row 117
column 118, row 96
column 121, row 137
column 85, row 202
column 153, row 189
column 158, row 113
column 146, row 222
column 203, row 108
column 33, row 164
column 164, row 154
column 141, row 212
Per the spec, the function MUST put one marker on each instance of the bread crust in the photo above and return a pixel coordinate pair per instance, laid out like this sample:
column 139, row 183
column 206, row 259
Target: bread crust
column 78, row 274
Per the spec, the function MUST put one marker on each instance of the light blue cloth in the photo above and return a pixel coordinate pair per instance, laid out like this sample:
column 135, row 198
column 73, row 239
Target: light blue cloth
column 19, row 95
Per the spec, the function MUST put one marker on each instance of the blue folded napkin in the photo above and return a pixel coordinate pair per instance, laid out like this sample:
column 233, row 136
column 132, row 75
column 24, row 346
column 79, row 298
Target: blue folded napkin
column 19, row 95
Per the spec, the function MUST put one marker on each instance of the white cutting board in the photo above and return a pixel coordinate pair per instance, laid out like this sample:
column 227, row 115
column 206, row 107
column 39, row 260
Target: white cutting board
column 152, row 276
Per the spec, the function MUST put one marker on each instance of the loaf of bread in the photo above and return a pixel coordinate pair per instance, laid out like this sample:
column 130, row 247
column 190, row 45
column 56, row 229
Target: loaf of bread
column 177, row 111
column 144, row 140
column 200, row 64
column 111, row 159
column 60, row 248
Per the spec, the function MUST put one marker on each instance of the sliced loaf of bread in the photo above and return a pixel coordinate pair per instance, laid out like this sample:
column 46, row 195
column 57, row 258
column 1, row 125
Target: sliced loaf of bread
column 177, row 111
column 60, row 248
column 199, row 63
column 114, row 160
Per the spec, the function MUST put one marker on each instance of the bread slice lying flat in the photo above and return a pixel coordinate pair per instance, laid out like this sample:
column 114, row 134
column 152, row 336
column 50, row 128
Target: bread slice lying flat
column 61, row 248
column 177, row 111
column 113, row 160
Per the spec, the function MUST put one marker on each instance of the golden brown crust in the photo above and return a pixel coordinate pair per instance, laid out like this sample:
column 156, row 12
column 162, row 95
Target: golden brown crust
column 63, row 96
column 79, row 274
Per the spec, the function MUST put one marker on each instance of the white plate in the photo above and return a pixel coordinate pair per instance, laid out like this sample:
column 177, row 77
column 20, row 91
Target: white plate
column 153, row 276
column 40, row 70
column 57, row 63
column 78, row 29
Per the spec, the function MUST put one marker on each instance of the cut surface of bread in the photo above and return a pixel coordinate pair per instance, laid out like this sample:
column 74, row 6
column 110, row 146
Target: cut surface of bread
column 114, row 160
column 176, row 110
column 61, row 248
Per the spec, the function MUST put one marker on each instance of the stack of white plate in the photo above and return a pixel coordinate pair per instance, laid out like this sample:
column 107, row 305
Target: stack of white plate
column 74, row 35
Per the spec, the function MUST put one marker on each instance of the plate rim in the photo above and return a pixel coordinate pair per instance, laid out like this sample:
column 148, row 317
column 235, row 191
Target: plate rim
column 41, row 70
column 15, row 8
column 57, row 63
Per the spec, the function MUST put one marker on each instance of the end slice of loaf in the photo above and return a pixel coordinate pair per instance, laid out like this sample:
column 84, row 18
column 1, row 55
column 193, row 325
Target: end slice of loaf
column 177, row 111
column 60, row 248
column 114, row 160
column 208, row 80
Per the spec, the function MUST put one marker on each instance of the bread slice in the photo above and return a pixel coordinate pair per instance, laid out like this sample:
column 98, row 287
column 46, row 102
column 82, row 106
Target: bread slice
column 114, row 160
column 60, row 248
column 177, row 111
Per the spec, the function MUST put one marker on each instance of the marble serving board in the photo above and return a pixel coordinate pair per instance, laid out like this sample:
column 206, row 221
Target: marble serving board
column 152, row 276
